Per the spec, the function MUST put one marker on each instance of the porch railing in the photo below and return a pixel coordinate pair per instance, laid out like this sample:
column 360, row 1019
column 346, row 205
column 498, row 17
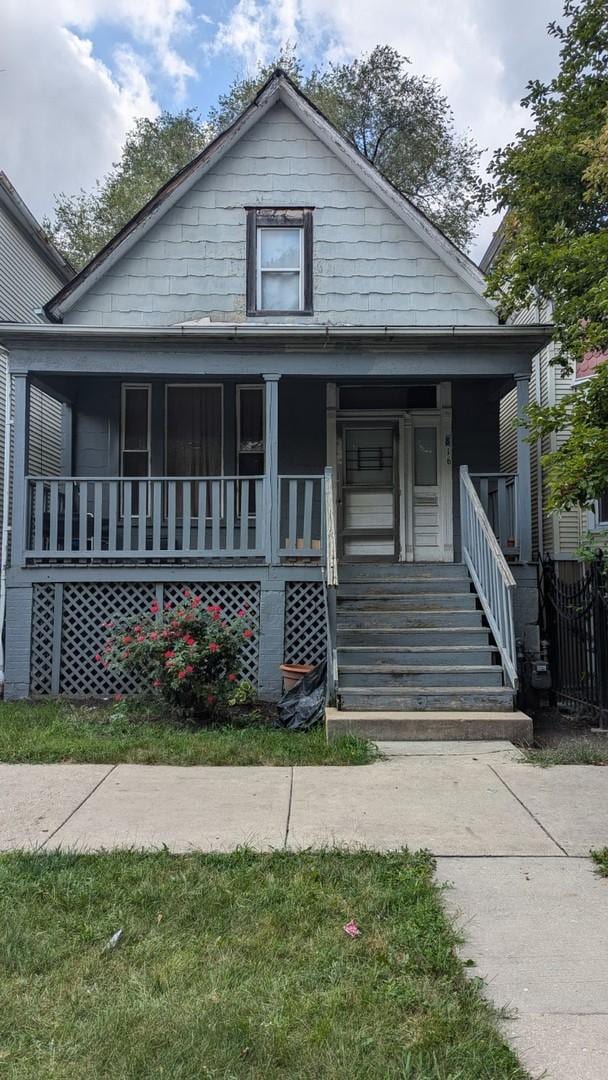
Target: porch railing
column 73, row 518
column 498, row 496
column 330, row 582
column 491, row 575
column 153, row 518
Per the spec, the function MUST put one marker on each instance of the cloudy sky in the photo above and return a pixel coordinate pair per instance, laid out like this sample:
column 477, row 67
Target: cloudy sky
column 75, row 73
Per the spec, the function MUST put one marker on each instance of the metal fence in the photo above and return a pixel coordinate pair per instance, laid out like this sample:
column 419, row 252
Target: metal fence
column 575, row 624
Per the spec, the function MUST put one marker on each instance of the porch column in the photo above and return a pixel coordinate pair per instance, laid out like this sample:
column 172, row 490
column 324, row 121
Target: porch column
column 271, row 543
column 20, row 432
column 524, row 475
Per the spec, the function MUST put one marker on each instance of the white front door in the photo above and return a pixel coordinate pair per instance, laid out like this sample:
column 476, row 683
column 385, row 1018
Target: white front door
column 368, row 491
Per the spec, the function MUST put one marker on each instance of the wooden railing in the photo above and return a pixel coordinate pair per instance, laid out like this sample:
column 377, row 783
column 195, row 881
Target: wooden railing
column 330, row 581
column 75, row 518
column 300, row 516
column 491, row 576
column 498, row 496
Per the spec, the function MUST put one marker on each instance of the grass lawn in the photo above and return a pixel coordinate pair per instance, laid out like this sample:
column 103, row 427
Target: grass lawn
column 235, row 966
column 586, row 750
column 600, row 859
column 55, row 731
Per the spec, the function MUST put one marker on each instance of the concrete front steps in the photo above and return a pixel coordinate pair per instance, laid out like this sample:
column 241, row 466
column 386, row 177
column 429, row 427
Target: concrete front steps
column 415, row 658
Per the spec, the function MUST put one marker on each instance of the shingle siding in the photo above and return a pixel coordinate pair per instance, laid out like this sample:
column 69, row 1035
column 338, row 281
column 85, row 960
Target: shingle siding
column 368, row 267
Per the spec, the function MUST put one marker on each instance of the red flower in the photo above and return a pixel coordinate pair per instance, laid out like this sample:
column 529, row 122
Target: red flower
column 154, row 607
column 107, row 625
column 189, row 669
column 213, row 646
column 168, row 605
column 186, row 593
column 117, row 697
column 210, row 699
column 127, row 639
column 125, row 654
column 153, row 635
column 247, row 633
column 169, row 653
column 241, row 613
column 156, row 683
column 141, row 637
column 232, row 678
column 98, row 658
column 182, row 674
column 197, row 601
column 137, row 629
column 189, row 639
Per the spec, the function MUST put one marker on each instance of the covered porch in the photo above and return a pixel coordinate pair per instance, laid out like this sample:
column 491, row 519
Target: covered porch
column 233, row 473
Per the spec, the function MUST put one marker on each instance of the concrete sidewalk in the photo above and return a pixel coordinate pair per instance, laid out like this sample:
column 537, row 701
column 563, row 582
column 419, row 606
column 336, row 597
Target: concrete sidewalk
column 512, row 839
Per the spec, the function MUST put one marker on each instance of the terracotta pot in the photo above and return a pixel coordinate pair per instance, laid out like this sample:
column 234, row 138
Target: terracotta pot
column 294, row 673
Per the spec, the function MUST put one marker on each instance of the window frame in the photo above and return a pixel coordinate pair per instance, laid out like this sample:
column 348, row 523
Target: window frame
column 600, row 521
column 279, row 218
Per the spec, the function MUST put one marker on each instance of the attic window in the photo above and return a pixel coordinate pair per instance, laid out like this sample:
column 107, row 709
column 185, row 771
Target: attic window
column 279, row 261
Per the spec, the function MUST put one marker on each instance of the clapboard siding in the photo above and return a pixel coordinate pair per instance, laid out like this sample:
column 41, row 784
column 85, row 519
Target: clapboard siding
column 44, row 444
column 562, row 532
column 369, row 268
column 26, row 280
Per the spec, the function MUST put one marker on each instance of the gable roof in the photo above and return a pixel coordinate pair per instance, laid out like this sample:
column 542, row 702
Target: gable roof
column 25, row 220
column 278, row 88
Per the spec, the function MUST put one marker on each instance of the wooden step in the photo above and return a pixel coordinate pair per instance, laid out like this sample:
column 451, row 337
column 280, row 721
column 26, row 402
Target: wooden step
column 425, row 675
column 426, row 698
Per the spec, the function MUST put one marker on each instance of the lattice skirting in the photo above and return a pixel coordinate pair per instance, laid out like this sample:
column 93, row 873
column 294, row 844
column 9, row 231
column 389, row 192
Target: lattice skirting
column 305, row 623
column 67, row 631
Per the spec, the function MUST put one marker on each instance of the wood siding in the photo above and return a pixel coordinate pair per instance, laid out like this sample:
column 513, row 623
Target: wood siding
column 558, row 533
column 26, row 280
column 368, row 266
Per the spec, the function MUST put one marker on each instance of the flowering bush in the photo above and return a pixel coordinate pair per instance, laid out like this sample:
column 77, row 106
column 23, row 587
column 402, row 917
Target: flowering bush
column 188, row 654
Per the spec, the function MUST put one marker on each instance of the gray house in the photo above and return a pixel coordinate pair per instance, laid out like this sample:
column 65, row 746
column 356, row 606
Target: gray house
column 31, row 271
column 280, row 382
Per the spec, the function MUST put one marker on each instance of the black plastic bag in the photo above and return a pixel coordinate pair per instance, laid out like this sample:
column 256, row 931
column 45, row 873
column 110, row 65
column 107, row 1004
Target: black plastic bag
column 303, row 707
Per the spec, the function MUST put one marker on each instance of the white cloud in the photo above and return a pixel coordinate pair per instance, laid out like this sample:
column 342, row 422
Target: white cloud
column 481, row 58
column 63, row 112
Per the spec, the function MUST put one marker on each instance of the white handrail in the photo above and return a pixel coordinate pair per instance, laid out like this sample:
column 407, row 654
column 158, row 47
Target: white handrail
column 490, row 572
column 330, row 581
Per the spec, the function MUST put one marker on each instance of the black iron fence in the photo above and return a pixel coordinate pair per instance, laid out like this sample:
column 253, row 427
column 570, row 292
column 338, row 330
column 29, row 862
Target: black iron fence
column 575, row 624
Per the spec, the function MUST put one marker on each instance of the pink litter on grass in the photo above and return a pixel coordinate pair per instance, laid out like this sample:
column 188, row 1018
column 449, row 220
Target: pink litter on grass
column 352, row 929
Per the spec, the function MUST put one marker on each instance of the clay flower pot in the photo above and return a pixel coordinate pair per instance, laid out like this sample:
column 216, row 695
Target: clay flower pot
column 294, row 673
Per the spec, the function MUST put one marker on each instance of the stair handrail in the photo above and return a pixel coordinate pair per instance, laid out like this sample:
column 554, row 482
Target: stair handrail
column 330, row 583
column 490, row 572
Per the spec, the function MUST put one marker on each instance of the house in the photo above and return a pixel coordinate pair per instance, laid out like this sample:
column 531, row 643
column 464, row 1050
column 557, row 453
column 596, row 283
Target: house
column 31, row 271
column 280, row 381
column 556, row 533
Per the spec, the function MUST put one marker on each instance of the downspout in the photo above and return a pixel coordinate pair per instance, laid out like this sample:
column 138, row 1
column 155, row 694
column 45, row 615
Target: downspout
column 4, row 540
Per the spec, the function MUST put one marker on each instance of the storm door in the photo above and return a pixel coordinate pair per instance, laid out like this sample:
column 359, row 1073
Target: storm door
column 368, row 495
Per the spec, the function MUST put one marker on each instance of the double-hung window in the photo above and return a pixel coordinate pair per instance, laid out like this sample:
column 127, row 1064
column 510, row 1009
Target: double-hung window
column 279, row 262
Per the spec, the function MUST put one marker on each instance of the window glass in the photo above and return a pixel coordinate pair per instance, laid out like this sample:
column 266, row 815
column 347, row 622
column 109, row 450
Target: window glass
column 425, row 456
column 251, row 419
column 135, row 421
column 374, row 396
column 602, row 508
column 279, row 249
column 280, row 291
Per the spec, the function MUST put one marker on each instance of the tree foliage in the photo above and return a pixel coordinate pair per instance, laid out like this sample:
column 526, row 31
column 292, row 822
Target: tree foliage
column 399, row 121
column 553, row 182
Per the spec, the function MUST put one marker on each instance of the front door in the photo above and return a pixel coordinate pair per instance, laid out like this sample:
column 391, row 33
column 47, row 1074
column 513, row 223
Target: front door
column 368, row 494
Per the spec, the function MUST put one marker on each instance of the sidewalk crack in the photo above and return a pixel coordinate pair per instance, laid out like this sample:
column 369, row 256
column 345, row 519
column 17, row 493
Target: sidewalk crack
column 80, row 804
column 288, row 822
column 528, row 811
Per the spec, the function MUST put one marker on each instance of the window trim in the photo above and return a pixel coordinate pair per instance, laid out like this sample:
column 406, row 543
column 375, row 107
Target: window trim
column 184, row 385
column 279, row 217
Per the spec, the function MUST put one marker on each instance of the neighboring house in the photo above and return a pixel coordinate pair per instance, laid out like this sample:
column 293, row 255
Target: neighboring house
column 279, row 342
column 31, row 271
column 558, row 534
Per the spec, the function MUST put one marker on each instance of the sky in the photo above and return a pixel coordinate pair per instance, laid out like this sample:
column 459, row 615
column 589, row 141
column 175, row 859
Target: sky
column 74, row 74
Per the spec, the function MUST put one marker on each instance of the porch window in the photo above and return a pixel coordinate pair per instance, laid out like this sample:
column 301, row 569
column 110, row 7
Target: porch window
column 279, row 262
column 250, row 430
column 135, row 433
column 194, row 421
column 425, row 456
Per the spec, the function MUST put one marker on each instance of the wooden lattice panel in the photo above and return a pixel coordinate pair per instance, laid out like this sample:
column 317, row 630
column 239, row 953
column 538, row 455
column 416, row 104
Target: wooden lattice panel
column 41, row 670
column 85, row 608
column 232, row 596
column 305, row 623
